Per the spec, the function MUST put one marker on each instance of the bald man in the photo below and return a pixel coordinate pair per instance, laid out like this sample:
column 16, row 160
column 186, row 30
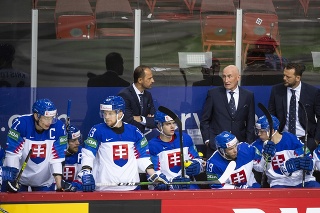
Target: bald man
column 228, row 108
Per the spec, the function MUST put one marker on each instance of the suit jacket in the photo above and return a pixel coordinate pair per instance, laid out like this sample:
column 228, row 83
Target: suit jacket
column 133, row 108
column 108, row 79
column 309, row 97
column 216, row 117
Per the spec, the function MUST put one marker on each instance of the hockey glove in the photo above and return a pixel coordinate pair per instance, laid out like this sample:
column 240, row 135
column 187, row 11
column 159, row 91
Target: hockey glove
column 66, row 187
column 292, row 165
column 305, row 163
column 161, row 182
column 181, row 179
column 7, row 174
column 194, row 168
column 86, row 178
column 269, row 150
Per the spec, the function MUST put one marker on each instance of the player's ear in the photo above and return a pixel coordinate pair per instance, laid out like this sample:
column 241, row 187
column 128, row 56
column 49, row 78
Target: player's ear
column 36, row 116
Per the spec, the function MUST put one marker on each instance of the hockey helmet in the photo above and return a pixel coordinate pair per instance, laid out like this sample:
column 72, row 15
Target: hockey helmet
column 73, row 133
column 225, row 140
column 45, row 107
column 112, row 103
column 262, row 123
column 160, row 117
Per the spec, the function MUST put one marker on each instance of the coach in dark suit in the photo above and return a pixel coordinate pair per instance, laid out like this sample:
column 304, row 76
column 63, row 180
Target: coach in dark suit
column 308, row 95
column 140, row 109
column 218, row 115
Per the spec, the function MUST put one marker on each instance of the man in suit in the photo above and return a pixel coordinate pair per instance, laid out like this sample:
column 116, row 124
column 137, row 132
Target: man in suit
column 221, row 112
column 210, row 75
column 114, row 66
column 140, row 109
column 309, row 96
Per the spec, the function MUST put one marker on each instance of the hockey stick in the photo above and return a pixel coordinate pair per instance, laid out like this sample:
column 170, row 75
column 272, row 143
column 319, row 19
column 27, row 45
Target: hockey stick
column 305, row 139
column 14, row 186
column 68, row 115
column 270, row 121
column 224, row 177
column 179, row 124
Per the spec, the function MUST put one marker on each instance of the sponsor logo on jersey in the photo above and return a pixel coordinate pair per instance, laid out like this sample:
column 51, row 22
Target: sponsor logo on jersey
column 212, row 177
column 63, row 140
column 143, row 142
column 120, row 154
column 38, row 153
column 91, row 142
column 174, row 161
column 13, row 134
column 239, row 177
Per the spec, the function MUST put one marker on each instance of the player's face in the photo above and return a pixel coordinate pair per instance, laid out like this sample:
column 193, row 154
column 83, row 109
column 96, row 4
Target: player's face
column 110, row 117
column 290, row 79
column 232, row 152
column 263, row 135
column 147, row 81
column 169, row 127
column 231, row 77
column 45, row 122
column 73, row 145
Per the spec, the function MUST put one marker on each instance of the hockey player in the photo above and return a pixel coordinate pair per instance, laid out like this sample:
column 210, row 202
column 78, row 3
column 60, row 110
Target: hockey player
column 165, row 152
column 283, row 156
column 116, row 151
column 45, row 135
column 72, row 165
column 246, row 157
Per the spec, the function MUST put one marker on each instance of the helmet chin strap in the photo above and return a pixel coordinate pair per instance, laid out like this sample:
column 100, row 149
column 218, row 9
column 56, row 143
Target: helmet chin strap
column 118, row 120
column 162, row 132
column 272, row 134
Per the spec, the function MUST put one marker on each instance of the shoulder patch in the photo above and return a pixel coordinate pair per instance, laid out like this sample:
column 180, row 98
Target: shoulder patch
column 144, row 142
column 91, row 142
column 63, row 140
column 13, row 134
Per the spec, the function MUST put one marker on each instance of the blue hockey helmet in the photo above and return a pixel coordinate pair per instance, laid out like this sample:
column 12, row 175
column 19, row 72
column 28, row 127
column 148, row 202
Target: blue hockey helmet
column 225, row 140
column 45, row 107
column 73, row 133
column 262, row 123
column 160, row 117
column 112, row 103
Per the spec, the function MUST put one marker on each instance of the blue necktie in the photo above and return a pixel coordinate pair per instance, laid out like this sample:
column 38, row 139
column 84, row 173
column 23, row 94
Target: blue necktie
column 232, row 104
column 292, row 113
column 141, row 102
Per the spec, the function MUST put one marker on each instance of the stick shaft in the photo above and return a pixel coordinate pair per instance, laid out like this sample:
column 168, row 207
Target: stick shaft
column 150, row 183
column 23, row 166
column 305, row 139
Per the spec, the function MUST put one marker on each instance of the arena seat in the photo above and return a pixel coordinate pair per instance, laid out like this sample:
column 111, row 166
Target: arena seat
column 74, row 19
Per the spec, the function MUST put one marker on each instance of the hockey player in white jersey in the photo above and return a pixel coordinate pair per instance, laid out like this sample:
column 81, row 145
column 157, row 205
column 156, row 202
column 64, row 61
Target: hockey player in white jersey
column 45, row 135
column 283, row 156
column 116, row 151
column 165, row 152
column 246, row 157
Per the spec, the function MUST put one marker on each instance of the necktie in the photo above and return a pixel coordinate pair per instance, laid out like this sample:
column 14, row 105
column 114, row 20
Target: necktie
column 232, row 104
column 141, row 102
column 292, row 113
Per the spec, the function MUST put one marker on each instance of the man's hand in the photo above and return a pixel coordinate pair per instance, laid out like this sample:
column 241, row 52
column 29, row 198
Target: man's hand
column 194, row 168
column 7, row 179
column 66, row 187
column 269, row 149
column 305, row 163
column 181, row 179
column 86, row 178
column 161, row 182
